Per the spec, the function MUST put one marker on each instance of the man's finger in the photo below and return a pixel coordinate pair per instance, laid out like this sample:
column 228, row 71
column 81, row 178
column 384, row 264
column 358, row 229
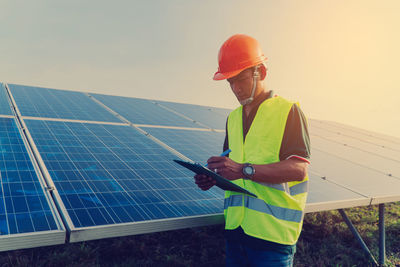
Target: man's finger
column 216, row 159
column 216, row 165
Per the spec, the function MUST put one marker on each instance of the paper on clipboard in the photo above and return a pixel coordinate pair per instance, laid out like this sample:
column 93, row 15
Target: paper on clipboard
column 221, row 182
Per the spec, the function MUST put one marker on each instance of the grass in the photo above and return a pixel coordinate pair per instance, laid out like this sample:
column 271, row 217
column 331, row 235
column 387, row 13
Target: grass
column 325, row 241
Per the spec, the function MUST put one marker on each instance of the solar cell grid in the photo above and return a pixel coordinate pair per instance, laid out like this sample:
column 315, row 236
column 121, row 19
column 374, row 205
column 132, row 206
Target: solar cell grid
column 209, row 116
column 51, row 103
column 4, row 104
column 196, row 145
column 112, row 174
column 23, row 205
column 142, row 111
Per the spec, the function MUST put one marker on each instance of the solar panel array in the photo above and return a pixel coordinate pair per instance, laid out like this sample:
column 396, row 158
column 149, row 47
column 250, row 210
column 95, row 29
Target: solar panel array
column 107, row 173
column 107, row 163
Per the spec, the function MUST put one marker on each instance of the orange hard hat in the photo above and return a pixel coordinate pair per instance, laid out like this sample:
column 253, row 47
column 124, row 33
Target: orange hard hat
column 238, row 53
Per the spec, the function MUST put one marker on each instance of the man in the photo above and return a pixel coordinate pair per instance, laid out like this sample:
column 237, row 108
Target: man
column 269, row 140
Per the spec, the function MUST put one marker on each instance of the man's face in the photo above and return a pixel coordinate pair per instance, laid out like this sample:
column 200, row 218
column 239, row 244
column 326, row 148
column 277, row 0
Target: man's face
column 242, row 84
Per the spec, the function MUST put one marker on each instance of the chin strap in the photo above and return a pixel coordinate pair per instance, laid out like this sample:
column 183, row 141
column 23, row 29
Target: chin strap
column 246, row 101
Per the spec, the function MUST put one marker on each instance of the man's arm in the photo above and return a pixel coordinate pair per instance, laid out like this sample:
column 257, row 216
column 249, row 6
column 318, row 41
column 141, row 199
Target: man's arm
column 289, row 170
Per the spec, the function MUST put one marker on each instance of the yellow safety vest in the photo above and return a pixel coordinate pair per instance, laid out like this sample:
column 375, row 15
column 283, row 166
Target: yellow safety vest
column 277, row 213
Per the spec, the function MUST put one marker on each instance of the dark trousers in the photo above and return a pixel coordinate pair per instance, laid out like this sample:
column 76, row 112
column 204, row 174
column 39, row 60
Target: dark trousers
column 238, row 254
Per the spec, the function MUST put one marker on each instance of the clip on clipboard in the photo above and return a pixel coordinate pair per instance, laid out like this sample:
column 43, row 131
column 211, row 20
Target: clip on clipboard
column 222, row 183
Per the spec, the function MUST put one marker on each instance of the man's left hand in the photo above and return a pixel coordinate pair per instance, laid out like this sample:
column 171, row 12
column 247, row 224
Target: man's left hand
column 225, row 167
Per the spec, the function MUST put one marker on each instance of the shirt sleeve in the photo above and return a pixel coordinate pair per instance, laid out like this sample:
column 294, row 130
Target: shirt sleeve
column 296, row 140
column 226, row 142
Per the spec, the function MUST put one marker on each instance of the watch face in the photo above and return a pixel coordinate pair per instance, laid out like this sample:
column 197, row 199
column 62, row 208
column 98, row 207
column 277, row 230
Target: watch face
column 248, row 170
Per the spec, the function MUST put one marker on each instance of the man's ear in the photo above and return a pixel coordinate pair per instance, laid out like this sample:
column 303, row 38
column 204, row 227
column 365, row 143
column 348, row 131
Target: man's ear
column 263, row 71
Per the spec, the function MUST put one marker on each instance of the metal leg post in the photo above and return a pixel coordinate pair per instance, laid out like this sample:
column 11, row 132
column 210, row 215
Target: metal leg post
column 357, row 235
column 382, row 248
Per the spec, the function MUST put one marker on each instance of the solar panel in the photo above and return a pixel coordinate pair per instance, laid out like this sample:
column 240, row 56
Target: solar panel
column 142, row 111
column 51, row 103
column 24, row 207
column 359, row 178
column 361, row 161
column 326, row 195
column 386, row 141
column 108, row 175
column 4, row 104
column 344, row 141
column 360, row 131
column 196, row 145
column 360, row 155
column 212, row 117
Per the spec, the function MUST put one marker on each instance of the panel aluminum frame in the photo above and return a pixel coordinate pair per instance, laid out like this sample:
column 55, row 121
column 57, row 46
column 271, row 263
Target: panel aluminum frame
column 135, row 228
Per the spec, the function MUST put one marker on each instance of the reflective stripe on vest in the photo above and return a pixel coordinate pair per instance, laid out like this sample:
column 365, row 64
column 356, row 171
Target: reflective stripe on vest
column 299, row 188
column 259, row 205
column 277, row 212
column 293, row 190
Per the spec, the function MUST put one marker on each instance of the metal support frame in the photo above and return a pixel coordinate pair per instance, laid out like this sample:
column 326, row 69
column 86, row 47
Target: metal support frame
column 361, row 241
column 382, row 249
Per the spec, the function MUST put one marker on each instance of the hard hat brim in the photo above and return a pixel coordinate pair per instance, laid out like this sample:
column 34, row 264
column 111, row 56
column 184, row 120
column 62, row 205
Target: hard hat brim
column 218, row 76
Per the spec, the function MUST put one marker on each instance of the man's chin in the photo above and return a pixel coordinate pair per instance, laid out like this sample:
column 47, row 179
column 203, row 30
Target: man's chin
column 245, row 101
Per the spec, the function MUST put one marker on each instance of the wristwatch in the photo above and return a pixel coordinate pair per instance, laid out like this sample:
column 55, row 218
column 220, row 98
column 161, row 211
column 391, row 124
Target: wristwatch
column 248, row 171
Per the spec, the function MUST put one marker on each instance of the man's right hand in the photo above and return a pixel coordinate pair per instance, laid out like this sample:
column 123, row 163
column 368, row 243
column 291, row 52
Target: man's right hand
column 204, row 182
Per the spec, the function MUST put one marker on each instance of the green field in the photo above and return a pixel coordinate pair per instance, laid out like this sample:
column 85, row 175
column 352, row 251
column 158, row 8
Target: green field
column 325, row 241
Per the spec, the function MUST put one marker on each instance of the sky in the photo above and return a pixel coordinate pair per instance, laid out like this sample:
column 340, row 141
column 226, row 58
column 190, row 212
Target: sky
column 340, row 59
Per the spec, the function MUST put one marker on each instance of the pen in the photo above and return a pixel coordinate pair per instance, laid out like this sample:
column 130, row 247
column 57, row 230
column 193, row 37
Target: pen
column 223, row 154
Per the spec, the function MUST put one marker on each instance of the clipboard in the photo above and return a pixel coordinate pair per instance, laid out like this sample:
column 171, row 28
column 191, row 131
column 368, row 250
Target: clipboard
column 222, row 183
